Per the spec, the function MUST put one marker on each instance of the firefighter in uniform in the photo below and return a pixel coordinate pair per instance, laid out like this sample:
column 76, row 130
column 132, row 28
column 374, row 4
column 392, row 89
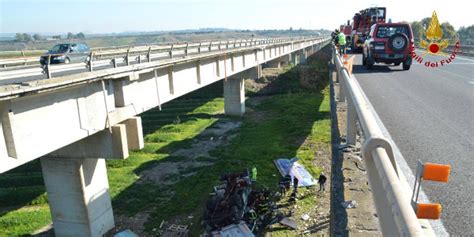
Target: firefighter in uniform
column 341, row 42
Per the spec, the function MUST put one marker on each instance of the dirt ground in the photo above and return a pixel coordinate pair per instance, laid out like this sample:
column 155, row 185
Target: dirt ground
column 350, row 182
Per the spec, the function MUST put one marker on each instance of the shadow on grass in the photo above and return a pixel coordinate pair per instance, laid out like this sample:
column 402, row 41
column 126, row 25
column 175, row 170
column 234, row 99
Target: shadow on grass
column 22, row 186
column 289, row 118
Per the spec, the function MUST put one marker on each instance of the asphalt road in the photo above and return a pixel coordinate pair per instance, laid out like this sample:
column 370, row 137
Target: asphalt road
column 429, row 113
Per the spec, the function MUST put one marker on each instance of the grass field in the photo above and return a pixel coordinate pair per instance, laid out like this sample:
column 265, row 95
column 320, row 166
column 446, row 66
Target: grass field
column 19, row 54
column 293, row 121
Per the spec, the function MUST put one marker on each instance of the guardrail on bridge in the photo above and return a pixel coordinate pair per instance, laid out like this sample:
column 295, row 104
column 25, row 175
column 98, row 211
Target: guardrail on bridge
column 390, row 189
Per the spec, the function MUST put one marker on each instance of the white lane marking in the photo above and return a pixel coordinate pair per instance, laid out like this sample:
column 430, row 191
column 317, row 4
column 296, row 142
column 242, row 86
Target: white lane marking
column 436, row 225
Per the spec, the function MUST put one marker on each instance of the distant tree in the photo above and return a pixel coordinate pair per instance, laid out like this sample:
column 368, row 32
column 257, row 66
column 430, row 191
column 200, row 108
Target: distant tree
column 418, row 31
column 291, row 28
column 80, row 35
column 70, row 35
column 466, row 35
column 19, row 37
column 27, row 37
column 449, row 32
column 425, row 22
column 56, row 37
column 37, row 37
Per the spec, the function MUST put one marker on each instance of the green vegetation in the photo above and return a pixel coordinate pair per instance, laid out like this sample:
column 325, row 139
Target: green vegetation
column 17, row 54
column 465, row 34
column 291, row 121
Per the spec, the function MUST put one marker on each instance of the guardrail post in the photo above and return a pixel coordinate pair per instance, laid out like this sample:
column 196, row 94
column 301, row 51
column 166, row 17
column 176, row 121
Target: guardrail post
column 114, row 62
column 351, row 123
column 90, row 63
column 47, row 68
column 210, row 46
column 199, row 48
column 127, row 57
column 219, row 46
column 171, row 51
column 186, row 49
column 342, row 94
column 227, row 45
column 148, row 54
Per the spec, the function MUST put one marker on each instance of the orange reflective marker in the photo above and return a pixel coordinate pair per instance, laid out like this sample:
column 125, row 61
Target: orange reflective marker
column 428, row 211
column 436, row 172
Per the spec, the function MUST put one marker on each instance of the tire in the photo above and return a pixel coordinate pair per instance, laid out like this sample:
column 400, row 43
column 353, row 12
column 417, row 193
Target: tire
column 396, row 64
column 406, row 66
column 398, row 42
column 369, row 62
column 67, row 61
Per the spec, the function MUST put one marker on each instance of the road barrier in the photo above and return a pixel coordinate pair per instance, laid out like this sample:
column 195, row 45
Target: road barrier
column 116, row 57
column 389, row 188
column 467, row 50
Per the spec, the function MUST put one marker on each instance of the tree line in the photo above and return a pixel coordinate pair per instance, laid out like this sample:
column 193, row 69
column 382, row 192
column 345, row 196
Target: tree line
column 25, row 37
column 464, row 34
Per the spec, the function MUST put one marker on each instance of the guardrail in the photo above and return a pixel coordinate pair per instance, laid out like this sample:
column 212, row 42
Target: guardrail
column 102, row 52
column 18, row 61
column 140, row 54
column 463, row 50
column 390, row 191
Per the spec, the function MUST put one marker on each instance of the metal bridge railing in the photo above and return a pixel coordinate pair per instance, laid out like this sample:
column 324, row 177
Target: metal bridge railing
column 391, row 193
column 117, row 57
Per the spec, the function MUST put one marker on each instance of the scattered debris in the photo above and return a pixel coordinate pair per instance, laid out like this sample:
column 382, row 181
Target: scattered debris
column 294, row 169
column 171, row 230
column 235, row 201
column 229, row 200
column 126, row 233
column 349, row 204
column 286, row 221
column 359, row 166
column 240, row 230
column 305, row 217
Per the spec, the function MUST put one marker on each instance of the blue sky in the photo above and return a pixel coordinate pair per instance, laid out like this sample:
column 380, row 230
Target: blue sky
column 106, row 16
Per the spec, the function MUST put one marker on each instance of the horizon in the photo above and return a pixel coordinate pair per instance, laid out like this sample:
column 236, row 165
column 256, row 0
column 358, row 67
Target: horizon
column 23, row 16
column 204, row 29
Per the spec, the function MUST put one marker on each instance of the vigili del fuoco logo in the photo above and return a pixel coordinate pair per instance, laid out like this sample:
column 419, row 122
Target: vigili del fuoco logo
column 435, row 45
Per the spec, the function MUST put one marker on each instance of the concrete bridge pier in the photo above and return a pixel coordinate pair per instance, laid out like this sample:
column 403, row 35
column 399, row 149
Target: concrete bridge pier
column 276, row 63
column 286, row 60
column 302, row 55
column 76, row 179
column 234, row 90
column 234, row 96
column 295, row 59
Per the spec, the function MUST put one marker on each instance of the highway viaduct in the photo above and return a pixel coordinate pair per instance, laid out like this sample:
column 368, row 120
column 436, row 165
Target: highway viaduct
column 75, row 121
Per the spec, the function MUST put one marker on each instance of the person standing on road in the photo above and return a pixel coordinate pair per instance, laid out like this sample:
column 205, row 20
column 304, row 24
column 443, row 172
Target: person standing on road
column 341, row 41
column 322, row 180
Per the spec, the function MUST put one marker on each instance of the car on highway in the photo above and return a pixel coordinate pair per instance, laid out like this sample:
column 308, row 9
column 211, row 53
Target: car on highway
column 67, row 53
column 389, row 43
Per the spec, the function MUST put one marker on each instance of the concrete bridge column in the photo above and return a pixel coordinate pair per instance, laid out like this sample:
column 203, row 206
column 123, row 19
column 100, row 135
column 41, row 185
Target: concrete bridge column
column 234, row 96
column 295, row 58
column 286, row 60
column 76, row 181
column 302, row 55
column 276, row 63
column 78, row 195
